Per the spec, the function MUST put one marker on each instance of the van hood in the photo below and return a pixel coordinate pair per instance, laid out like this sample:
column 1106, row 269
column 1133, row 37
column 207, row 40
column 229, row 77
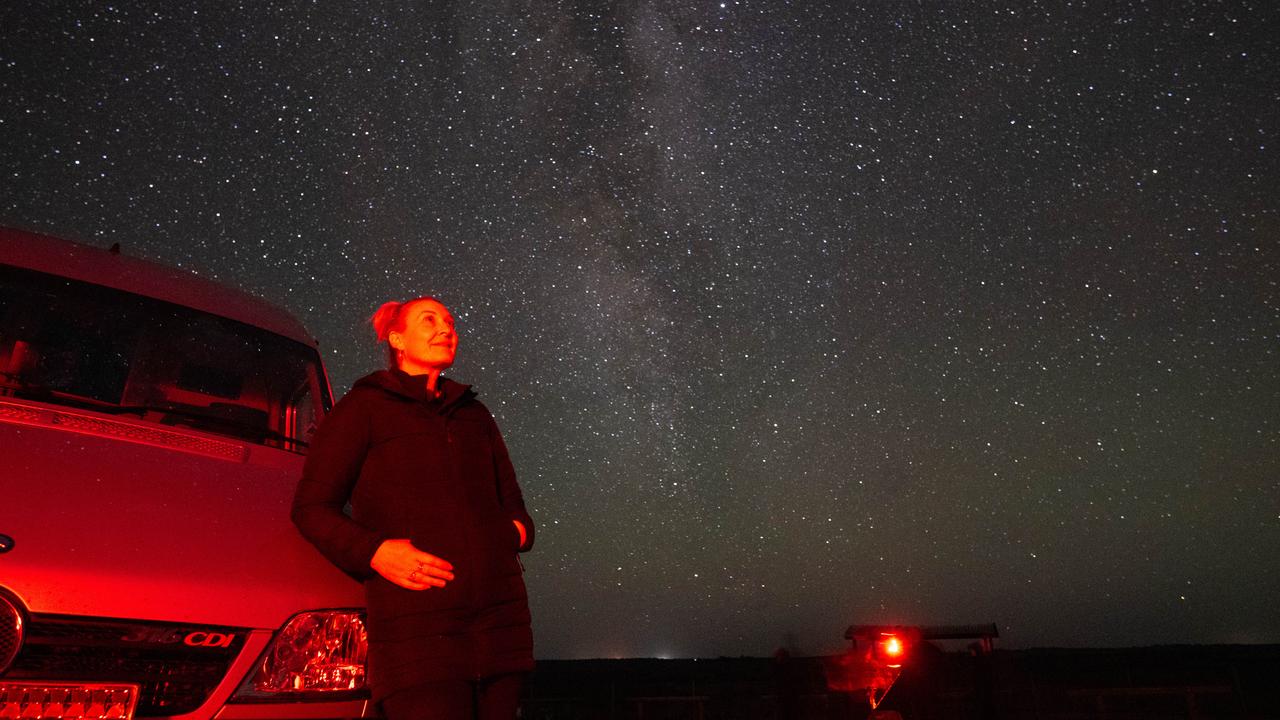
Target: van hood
column 106, row 527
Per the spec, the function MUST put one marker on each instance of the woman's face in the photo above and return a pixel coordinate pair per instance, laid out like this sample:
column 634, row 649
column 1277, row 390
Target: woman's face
column 428, row 341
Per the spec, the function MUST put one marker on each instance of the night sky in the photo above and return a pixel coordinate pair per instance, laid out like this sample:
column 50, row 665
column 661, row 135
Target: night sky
column 794, row 315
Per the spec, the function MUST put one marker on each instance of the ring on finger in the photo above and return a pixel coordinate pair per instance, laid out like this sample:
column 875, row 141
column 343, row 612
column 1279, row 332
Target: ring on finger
column 413, row 576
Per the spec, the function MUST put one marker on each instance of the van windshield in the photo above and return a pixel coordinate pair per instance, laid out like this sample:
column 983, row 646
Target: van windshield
column 91, row 347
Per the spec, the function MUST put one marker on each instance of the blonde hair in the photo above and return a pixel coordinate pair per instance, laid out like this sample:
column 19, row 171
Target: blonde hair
column 389, row 318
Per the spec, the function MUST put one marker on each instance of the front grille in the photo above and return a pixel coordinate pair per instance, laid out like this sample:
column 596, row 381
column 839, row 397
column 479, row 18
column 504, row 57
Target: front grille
column 176, row 666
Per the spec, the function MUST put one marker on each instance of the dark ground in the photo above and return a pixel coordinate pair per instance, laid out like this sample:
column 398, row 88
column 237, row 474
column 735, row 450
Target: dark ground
column 1224, row 681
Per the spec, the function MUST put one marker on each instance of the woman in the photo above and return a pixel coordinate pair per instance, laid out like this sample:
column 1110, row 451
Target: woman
column 437, row 519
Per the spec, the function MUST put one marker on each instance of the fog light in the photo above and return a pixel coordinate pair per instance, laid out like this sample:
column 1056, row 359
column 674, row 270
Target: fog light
column 22, row 699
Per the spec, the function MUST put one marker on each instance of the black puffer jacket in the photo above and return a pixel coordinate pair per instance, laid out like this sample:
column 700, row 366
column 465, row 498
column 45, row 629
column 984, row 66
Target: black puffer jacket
column 436, row 472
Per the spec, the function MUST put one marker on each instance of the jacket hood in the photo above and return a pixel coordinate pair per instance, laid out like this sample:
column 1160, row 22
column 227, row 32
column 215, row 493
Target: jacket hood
column 414, row 387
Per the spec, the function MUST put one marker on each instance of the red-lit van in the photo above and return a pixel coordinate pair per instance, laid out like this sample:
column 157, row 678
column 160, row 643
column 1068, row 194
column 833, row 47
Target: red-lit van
column 152, row 428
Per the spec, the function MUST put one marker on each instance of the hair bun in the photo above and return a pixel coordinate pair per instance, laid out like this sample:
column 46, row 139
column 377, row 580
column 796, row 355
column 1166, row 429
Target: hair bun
column 384, row 317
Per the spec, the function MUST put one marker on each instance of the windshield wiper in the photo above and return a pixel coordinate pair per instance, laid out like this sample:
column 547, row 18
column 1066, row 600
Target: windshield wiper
column 44, row 392
column 41, row 392
column 228, row 423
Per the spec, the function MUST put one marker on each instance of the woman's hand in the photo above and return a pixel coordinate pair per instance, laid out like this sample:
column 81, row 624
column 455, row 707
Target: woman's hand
column 407, row 566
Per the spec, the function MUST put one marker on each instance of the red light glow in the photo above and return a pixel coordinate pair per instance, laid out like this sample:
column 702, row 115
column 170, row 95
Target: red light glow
column 892, row 646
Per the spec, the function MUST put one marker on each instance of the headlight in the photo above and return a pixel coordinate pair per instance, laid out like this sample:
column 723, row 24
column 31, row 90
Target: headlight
column 316, row 652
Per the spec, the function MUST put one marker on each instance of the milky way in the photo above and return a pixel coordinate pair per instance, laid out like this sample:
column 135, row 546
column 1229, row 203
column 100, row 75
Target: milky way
column 794, row 315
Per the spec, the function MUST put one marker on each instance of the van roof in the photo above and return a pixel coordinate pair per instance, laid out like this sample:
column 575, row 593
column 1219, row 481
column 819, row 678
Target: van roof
column 112, row 269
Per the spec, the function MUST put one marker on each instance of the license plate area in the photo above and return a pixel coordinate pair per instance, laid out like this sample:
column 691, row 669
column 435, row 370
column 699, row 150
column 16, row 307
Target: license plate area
column 69, row 701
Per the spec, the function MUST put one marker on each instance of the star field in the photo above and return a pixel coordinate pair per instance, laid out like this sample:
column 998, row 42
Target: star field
column 794, row 315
